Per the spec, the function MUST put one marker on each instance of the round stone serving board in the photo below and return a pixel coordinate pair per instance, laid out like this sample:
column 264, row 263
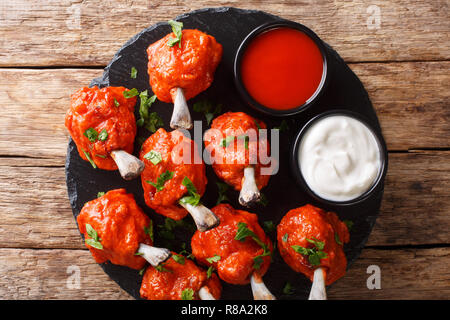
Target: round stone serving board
column 229, row 26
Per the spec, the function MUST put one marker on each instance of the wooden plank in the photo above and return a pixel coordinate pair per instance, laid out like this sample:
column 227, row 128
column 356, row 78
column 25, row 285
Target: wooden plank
column 46, row 274
column 67, row 32
column 411, row 100
column 34, row 103
column 405, row 274
column 35, row 211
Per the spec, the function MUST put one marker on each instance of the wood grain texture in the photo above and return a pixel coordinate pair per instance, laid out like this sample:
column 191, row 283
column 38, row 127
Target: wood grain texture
column 44, row 274
column 412, row 109
column 82, row 33
column 35, row 211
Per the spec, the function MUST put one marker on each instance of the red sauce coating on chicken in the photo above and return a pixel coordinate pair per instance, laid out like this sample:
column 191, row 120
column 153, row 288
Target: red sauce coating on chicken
column 169, row 284
column 96, row 108
column 177, row 153
column 190, row 67
column 313, row 223
column 236, row 263
column 120, row 224
column 231, row 160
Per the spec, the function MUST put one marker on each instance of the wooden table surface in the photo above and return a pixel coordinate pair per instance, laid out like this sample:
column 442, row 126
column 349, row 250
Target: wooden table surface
column 400, row 49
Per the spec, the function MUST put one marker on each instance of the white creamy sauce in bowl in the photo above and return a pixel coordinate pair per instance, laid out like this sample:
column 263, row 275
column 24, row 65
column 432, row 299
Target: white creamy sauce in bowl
column 339, row 158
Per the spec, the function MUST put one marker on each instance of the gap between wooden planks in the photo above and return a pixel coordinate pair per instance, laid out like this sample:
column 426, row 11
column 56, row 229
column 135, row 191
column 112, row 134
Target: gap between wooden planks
column 87, row 33
column 44, row 274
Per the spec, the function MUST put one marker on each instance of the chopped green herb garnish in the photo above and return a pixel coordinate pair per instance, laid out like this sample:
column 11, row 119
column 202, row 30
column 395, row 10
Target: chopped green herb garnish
column 161, row 268
column 207, row 108
column 209, row 272
column 349, row 224
column 130, row 93
column 177, row 26
column 336, row 238
column 133, row 73
column 263, row 200
column 91, row 134
column 223, row 188
column 213, row 259
column 257, row 124
column 139, row 254
column 288, row 289
column 283, row 126
column 94, row 240
column 100, row 194
column 315, row 254
column 242, row 233
column 226, row 142
column 90, row 159
column 151, row 121
column 149, row 230
column 186, row 253
column 178, row 259
column 101, row 156
column 258, row 260
column 187, row 294
column 154, row 157
column 246, row 139
column 116, row 103
column 193, row 198
column 103, row 135
column 141, row 272
column 161, row 180
column 285, row 237
column 269, row 226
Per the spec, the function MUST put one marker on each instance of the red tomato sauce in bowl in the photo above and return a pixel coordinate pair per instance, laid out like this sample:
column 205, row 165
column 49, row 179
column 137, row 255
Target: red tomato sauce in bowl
column 281, row 67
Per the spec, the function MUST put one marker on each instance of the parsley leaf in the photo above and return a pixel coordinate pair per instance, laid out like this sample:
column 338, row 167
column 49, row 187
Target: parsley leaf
column 103, row 135
column 336, row 238
column 216, row 258
column 285, row 237
column 161, row 268
column 193, row 198
column 268, row 226
column 149, row 230
column 315, row 254
column 94, row 240
column 154, row 157
column 133, row 73
column 91, row 134
column 207, row 108
column 130, row 93
column 100, row 194
column 258, row 260
column 151, row 121
column 209, row 272
column 226, row 142
column 242, row 233
column 283, row 126
column 89, row 159
column 349, row 224
column 177, row 26
column 187, row 294
column 246, row 139
column 288, row 289
column 263, row 200
column 223, row 188
column 141, row 272
column 161, row 180
column 116, row 103
column 179, row 259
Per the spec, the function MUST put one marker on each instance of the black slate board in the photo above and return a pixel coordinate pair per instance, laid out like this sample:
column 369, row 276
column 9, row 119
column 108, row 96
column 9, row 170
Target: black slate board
column 229, row 26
